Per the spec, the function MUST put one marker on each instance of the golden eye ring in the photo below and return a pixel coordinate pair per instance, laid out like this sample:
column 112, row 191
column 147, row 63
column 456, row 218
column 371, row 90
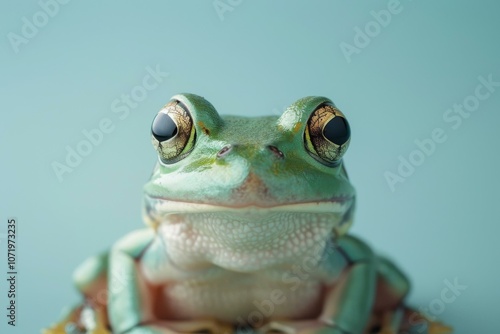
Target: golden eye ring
column 172, row 132
column 327, row 134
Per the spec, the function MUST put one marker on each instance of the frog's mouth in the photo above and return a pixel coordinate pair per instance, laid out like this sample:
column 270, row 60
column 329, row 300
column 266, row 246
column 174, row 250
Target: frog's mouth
column 171, row 206
column 158, row 209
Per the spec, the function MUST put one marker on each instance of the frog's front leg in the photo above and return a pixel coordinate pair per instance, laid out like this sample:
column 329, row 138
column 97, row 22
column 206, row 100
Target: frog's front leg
column 349, row 302
column 375, row 298
column 90, row 279
column 132, row 299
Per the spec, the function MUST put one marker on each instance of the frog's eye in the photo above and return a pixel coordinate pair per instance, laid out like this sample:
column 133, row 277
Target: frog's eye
column 327, row 134
column 173, row 133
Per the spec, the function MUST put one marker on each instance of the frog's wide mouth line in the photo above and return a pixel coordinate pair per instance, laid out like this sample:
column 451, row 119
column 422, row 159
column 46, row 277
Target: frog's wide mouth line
column 339, row 204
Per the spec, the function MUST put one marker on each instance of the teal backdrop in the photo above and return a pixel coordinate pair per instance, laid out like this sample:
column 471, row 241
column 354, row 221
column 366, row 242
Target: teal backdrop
column 419, row 82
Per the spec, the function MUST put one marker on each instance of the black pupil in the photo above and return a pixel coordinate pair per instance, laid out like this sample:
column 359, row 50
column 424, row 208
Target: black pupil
column 337, row 130
column 163, row 127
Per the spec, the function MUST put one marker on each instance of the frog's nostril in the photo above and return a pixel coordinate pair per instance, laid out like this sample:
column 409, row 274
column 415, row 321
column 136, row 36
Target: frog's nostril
column 225, row 150
column 276, row 151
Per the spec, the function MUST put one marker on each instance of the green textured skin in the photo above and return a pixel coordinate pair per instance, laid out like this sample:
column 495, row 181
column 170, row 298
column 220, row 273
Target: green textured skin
column 202, row 178
column 201, row 169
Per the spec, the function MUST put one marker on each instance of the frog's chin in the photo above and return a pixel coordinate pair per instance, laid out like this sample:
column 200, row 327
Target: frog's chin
column 163, row 206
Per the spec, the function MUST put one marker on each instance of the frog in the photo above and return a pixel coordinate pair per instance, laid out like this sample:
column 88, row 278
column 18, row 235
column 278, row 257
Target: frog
column 247, row 224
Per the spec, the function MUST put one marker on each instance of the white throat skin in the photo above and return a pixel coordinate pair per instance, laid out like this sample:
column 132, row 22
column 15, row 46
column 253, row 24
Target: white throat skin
column 246, row 238
column 243, row 255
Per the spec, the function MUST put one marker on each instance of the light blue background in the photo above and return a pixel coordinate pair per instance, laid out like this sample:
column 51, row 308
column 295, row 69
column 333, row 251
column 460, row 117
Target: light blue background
column 441, row 223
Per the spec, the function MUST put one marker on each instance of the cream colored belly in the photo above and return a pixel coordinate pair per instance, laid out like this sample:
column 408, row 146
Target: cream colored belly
column 242, row 298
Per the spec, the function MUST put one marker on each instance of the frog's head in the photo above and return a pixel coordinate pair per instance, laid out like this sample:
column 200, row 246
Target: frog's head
column 250, row 167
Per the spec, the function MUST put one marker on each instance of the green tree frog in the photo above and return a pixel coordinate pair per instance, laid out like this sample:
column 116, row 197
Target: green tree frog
column 247, row 222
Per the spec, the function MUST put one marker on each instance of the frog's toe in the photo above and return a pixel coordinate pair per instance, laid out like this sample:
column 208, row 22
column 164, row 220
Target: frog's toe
column 54, row 330
column 415, row 322
column 66, row 328
column 183, row 327
column 100, row 330
column 95, row 320
column 67, row 323
column 439, row 328
column 299, row 327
